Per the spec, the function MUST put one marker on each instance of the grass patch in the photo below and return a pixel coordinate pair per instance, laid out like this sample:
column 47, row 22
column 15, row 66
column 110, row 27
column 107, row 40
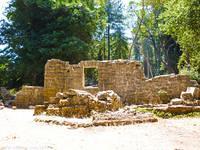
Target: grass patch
column 166, row 115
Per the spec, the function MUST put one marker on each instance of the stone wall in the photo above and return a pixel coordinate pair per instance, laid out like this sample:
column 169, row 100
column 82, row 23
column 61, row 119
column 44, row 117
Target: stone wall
column 125, row 77
column 149, row 90
column 29, row 96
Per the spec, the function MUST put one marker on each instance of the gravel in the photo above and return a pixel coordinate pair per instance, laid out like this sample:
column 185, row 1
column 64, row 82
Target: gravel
column 19, row 131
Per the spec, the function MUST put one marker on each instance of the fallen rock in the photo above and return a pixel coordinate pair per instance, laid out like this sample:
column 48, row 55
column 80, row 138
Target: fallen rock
column 64, row 103
column 107, row 96
column 59, row 95
column 79, row 103
column 177, row 101
column 186, row 96
column 4, row 93
column 111, row 98
column 178, row 109
column 54, row 100
column 194, row 91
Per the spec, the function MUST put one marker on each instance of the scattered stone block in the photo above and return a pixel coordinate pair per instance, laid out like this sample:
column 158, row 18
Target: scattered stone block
column 186, row 96
column 54, row 100
column 194, row 91
column 53, row 111
column 177, row 101
column 39, row 109
column 4, row 93
column 59, row 95
column 178, row 109
column 64, row 103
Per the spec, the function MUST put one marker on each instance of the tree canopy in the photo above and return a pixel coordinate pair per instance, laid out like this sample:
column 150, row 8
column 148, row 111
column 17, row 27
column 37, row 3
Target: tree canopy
column 165, row 36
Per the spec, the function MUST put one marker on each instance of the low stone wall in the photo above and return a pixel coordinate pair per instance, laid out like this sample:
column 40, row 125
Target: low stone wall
column 152, row 90
column 29, row 96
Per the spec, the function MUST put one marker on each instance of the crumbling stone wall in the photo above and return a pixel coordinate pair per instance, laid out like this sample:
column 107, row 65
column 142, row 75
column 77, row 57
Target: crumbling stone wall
column 29, row 96
column 125, row 77
column 148, row 91
column 61, row 76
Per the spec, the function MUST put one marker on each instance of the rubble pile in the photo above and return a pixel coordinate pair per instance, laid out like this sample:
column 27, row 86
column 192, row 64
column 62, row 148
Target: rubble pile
column 79, row 103
column 190, row 97
column 124, row 116
column 5, row 97
column 188, row 102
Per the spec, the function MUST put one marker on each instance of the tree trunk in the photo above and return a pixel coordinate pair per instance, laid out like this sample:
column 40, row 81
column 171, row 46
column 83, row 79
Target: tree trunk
column 109, row 51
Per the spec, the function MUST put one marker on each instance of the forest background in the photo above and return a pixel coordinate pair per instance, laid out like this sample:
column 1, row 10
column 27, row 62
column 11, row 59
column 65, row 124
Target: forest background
column 164, row 35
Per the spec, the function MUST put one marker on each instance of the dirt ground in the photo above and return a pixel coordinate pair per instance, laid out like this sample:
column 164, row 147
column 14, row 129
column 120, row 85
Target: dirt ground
column 18, row 131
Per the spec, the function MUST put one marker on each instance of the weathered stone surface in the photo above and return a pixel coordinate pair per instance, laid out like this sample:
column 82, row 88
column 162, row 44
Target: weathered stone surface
column 54, row 100
column 124, row 116
column 39, row 109
column 110, row 97
column 125, row 77
column 177, row 101
column 178, row 109
column 59, row 95
column 164, row 96
column 78, row 103
column 53, row 111
column 29, row 95
column 186, row 96
column 4, row 93
column 77, row 112
column 64, row 103
column 192, row 103
column 194, row 91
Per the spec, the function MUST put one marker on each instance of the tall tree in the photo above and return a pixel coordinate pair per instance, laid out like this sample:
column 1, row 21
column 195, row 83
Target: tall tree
column 40, row 30
column 115, row 29
column 155, row 46
column 181, row 20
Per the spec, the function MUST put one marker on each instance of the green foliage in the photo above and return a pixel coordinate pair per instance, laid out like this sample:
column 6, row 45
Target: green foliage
column 192, row 73
column 40, row 30
column 167, row 115
column 91, row 76
column 181, row 20
column 117, row 45
column 159, row 51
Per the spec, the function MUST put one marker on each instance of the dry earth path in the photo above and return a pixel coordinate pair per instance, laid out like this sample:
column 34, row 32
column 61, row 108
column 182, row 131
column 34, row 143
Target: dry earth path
column 18, row 131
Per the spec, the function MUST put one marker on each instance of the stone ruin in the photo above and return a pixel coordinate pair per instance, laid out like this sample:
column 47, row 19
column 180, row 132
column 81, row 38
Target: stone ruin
column 120, row 82
column 124, row 77
column 79, row 104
